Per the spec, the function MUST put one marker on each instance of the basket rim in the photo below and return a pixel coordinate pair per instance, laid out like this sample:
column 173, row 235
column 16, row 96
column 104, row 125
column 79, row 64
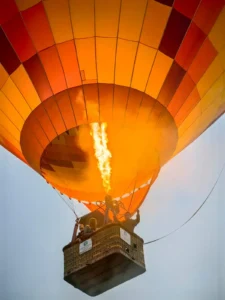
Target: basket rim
column 102, row 229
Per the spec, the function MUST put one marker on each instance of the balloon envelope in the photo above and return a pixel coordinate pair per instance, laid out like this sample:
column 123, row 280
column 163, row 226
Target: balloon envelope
column 153, row 71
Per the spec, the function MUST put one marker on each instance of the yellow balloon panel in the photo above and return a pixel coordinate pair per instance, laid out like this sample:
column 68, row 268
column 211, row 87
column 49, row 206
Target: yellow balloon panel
column 217, row 34
column 9, row 126
column 215, row 93
column 106, row 53
column 82, row 15
column 86, row 59
column 7, row 136
column 160, row 69
column 59, row 18
column 222, row 57
column 210, row 76
column 154, row 24
column 141, row 69
column 192, row 117
column 3, row 76
column 200, row 124
column 191, row 101
column 126, row 53
column 107, row 15
column 25, row 86
column 135, row 11
column 11, row 112
column 16, row 98
column 207, row 110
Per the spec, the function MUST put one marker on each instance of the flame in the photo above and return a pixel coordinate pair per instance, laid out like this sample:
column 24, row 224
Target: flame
column 102, row 153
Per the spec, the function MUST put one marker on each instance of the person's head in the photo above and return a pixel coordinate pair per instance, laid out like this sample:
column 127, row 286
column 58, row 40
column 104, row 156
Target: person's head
column 93, row 223
column 115, row 206
column 108, row 198
column 81, row 227
column 127, row 216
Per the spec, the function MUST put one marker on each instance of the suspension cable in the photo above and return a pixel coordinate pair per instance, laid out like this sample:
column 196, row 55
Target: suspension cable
column 59, row 194
column 72, row 208
column 194, row 214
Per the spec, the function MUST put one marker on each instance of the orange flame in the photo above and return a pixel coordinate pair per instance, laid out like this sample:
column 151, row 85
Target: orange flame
column 102, row 153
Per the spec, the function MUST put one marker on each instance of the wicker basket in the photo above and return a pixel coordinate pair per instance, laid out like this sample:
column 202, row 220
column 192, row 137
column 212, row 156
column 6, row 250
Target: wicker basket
column 108, row 258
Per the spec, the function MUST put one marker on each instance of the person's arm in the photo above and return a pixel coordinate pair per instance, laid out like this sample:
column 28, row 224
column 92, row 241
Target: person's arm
column 138, row 217
column 75, row 230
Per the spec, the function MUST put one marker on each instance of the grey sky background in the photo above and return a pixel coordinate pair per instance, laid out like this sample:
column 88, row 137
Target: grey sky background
column 190, row 265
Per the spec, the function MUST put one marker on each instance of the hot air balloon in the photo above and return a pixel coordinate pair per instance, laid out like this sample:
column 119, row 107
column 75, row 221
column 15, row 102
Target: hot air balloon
column 97, row 95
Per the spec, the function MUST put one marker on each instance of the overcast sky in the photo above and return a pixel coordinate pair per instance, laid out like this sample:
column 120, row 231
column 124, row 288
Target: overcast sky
column 190, row 265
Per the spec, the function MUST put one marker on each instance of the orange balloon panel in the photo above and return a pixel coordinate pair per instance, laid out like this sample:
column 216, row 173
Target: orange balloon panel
column 151, row 70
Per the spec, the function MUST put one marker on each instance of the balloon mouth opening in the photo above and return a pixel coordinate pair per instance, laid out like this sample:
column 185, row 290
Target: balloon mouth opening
column 120, row 147
column 74, row 154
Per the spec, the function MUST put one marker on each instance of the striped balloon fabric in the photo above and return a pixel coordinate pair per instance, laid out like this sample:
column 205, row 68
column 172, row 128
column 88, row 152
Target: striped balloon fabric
column 152, row 71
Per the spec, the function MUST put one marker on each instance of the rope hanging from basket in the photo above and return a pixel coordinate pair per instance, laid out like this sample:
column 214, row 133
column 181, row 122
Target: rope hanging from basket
column 194, row 214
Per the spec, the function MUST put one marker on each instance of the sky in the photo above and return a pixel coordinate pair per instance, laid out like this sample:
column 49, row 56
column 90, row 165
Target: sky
column 35, row 224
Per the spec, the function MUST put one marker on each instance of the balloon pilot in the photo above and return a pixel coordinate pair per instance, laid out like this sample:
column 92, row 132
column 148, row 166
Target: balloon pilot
column 113, row 205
